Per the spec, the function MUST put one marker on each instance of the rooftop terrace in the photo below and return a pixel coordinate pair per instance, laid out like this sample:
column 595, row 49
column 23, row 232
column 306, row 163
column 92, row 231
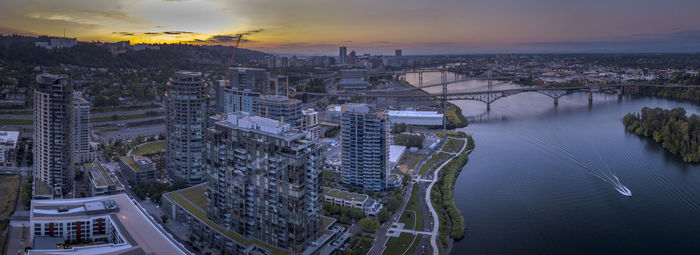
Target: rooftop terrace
column 345, row 195
column 194, row 201
column 100, row 175
column 131, row 162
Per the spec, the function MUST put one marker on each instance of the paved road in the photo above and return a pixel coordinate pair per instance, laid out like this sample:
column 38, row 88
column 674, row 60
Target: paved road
column 16, row 170
column 415, row 232
column 436, row 221
column 380, row 236
column 132, row 132
column 117, row 122
column 92, row 114
column 426, row 218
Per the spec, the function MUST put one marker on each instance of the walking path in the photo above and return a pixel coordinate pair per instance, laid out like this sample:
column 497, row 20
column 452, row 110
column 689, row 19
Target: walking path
column 381, row 236
column 401, row 230
column 436, row 221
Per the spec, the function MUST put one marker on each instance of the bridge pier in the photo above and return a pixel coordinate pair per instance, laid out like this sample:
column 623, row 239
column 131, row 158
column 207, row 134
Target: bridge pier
column 488, row 107
column 590, row 95
column 556, row 101
column 619, row 93
column 420, row 78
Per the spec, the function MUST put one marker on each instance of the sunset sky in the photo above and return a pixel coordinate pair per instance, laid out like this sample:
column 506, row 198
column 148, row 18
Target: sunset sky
column 372, row 26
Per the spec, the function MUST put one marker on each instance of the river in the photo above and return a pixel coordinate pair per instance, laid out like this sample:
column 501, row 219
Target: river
column 531, row 185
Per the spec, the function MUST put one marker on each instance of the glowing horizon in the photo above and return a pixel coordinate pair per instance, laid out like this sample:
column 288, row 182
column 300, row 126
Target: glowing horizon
column 418, row 27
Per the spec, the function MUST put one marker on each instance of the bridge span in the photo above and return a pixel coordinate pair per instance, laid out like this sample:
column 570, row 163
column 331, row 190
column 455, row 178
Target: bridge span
column 489, row 96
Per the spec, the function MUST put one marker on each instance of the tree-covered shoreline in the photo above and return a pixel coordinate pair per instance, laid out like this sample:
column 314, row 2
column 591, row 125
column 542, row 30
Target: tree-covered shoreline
column 672, row 129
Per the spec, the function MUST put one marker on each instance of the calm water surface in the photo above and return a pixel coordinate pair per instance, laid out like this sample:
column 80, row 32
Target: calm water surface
column 531, row 185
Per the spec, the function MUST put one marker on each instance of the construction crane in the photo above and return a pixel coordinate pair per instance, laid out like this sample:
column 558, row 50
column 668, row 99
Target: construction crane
column 230, row 62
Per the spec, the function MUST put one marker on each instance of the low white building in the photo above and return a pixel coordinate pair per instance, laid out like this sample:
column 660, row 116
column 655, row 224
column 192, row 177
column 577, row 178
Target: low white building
column 415, row 118
column 396, row 152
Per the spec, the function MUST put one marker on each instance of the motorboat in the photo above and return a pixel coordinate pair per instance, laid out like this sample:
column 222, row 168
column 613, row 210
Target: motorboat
column 623, row 190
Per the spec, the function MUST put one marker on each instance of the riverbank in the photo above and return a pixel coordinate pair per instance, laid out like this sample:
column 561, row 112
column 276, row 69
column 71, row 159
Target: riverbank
column 447, row 219
column 517, row 193
column 671, row 129
column 451, row 221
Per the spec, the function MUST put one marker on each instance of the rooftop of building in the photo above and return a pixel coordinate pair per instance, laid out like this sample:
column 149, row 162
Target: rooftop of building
column 309, row 111
column 79, row 98
column 244, row 69
column 138, row 163
column 353, row 70
column 396, row 152
column 47, row 242
column 100, row 175
column 360, row 108
column 193, row 200
column 9, row 137
column 278, row 99
column 140, row 231
column 345, row 195
column 47, row 78
column 41, row 188
column 357, row 107
column 190, row 74
column 244, row 121
column 414, row 114
column 353, row 81
column 334, row 108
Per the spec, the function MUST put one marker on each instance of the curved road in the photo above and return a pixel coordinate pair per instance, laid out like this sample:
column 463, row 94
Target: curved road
column 436, row 222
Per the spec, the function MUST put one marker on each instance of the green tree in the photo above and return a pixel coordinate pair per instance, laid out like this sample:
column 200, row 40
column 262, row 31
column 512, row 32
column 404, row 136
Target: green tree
column 394, row 203
column 369, row 225
column 383, row 215
column 409, row 140
column 675, row 132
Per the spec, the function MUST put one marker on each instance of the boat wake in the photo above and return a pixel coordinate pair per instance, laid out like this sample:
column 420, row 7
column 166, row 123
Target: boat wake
column 608, row 176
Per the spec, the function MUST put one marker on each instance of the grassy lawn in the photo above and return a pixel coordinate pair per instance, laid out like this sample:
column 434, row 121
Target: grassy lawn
column 327, row 221
column 102, row 131
column 453, row 145
column 457, row 134
column 360, row 244
column 9, row 186
column 20, row 112
column 124, row 117
column 328, row 179
column 413, row 211
column 454, row 115
column 196, row 195
column 432, row 162
column 329, row 175
column 149, row 148
column 411, row 160
column 399, row 245
column 16, row 121
column 412, row 214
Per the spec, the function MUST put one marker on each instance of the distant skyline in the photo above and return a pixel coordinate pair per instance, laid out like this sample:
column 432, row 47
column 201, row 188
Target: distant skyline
column 375, row 27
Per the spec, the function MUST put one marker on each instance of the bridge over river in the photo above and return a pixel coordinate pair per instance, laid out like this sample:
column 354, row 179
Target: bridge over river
column 489, row 96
